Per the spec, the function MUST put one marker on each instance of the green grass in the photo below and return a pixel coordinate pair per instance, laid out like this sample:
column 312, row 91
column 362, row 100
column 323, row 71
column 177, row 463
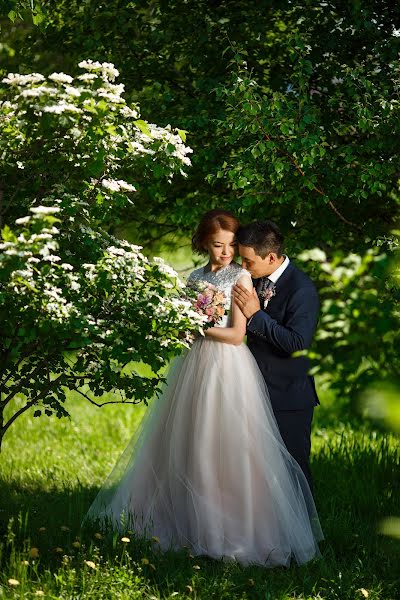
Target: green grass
column 50, row 471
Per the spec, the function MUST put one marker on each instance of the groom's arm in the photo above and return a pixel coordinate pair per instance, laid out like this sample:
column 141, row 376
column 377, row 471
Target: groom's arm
column 301, row 321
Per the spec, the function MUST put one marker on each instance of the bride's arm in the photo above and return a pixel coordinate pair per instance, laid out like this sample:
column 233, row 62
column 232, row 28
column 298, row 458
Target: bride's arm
column 234, row 334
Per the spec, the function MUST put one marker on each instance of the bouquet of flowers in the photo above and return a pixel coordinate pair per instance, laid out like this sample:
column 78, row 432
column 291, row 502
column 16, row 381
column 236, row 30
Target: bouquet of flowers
column 209, row 302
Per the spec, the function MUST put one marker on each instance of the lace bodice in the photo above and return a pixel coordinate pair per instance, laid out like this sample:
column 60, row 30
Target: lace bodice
column 224, row 279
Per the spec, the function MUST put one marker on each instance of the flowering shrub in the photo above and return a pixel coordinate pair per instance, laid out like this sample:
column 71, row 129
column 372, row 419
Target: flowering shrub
column 79, row 307
column 79, row 136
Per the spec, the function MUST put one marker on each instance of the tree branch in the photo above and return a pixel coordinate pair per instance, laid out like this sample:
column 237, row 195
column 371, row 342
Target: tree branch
column 21, row 384
column 319, row 189
column 109, row 402
column 28, row 405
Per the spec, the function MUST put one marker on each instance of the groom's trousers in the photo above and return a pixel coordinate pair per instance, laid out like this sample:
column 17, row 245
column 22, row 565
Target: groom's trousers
column 295, row 429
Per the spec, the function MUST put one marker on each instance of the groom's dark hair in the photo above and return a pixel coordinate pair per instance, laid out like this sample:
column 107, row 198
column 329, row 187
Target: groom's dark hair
column 263, row 236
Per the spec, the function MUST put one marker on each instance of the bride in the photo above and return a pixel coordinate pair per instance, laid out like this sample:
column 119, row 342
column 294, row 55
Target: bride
column 208, row 468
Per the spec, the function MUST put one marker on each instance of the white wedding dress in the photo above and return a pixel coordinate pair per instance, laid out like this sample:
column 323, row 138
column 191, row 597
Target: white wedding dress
column 208, row 468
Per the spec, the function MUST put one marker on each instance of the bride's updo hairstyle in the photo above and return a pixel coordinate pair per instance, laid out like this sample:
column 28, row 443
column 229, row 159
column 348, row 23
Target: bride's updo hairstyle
column 211, row 222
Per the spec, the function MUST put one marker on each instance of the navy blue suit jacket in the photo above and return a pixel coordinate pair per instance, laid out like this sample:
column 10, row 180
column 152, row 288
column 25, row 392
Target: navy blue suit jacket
column 284, row 327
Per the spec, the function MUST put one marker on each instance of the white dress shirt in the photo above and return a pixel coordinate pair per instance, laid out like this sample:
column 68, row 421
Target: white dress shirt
column 276, row 274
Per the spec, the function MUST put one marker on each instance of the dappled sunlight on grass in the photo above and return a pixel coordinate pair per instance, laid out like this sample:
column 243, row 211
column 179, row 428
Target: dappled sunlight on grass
column 51, row 470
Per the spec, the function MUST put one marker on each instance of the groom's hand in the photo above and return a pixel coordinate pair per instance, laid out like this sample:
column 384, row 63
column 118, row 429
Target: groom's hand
column 246, row 300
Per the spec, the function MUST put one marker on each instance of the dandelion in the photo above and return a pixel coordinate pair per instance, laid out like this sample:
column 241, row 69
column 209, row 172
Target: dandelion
column 90, row 564
column 98, row 536
column 58, row 550
column 34, row 552
column 25, row 563
column 13, row 582
column 125, row 540
column 76, row 544
column 39, row 593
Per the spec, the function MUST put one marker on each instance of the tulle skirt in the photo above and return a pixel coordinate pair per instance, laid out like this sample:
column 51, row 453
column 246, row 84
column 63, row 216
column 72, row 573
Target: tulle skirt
column 208, row 469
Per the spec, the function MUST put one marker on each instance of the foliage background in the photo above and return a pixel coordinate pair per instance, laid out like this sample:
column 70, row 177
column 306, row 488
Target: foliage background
column 292, row 111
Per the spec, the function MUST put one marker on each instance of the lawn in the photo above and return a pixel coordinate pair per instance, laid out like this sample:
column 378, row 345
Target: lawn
column 50, row 470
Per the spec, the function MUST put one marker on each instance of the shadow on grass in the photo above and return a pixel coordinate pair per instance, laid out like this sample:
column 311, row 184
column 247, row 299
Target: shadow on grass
column 357, row 485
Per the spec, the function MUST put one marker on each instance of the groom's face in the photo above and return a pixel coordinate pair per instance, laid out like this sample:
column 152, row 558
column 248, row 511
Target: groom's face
column 257, row 266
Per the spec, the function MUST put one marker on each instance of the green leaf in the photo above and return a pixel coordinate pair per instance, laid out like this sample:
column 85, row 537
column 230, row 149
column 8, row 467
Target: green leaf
column 143, row 126
column 8, row 235
column 182, row 134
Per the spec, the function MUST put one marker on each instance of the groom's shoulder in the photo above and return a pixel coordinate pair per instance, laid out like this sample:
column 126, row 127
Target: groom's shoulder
column 298, row 278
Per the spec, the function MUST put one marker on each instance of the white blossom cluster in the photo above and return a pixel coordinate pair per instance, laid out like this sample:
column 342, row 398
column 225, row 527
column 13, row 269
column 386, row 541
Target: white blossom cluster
column 166, row 135
column 81, row 100
column 34, row 251
column 135, row 280
column 106, row 70
column 84, row 283
column 117, row 185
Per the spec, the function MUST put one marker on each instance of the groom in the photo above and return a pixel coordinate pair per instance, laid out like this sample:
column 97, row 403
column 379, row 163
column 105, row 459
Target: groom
column 282, row 313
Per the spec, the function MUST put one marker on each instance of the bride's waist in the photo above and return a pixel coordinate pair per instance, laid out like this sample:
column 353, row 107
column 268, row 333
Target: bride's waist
column 210, row 340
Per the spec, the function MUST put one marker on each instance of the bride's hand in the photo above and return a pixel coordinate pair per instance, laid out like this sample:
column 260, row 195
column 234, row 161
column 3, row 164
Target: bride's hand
column 246, row 300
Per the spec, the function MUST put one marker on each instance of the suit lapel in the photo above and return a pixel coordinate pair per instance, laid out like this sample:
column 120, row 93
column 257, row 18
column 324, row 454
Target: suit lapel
column 284, row 277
